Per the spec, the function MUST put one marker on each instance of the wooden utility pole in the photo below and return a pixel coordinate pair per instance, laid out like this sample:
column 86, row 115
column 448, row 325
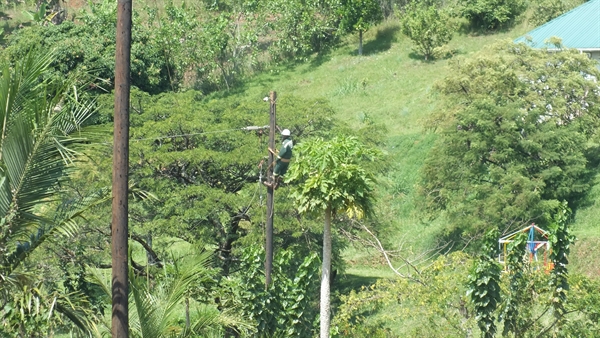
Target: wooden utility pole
column 120, row 206
column 270, row 209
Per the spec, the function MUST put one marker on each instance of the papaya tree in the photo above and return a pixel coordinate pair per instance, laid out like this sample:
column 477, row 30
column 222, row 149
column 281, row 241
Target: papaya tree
column 332, row 180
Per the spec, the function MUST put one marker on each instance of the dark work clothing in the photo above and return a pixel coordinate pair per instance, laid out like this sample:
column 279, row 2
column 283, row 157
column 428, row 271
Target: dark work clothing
column 283, row 159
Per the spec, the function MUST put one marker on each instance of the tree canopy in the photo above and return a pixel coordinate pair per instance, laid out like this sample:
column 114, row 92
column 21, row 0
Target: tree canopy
column 428, row 27
column 41, row 134
column 517, row 139
column 358, row 16
column 332, row 179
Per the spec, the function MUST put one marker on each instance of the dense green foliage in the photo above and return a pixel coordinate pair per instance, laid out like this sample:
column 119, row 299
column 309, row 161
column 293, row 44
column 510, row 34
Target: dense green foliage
column 484, row 286
column 428, row 27
column 332, row 176
column 458, row 295
column 301, row 27
column 41, row 136
column 492, row 14
column 197, row 45
column 518, row 138
column 358, row 16
column 546, row 10
column 97, row 55
column 288, row 308
column 510, row 152
column 433, row 303
column 560, row 241
column 523, row 311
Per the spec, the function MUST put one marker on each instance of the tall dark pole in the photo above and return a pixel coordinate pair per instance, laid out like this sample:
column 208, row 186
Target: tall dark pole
column 269, row 230
column 119, row 225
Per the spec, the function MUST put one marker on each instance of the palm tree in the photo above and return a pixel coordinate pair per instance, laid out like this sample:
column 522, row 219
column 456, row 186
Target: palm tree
column 40, row 130
column 332, row 181
column 164, row 307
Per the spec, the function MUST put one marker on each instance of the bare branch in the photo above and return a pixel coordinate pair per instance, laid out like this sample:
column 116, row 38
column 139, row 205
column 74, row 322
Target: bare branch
column 385, row 255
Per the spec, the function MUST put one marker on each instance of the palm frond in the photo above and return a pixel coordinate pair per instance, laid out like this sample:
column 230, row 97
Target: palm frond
column 29, row 298
column 146, row 308
column 76, row 307
column 36, row 120
column 65, row 225
column 5, row 194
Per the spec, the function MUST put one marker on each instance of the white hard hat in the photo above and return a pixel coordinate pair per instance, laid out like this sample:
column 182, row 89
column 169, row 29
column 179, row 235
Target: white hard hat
column 285, row 132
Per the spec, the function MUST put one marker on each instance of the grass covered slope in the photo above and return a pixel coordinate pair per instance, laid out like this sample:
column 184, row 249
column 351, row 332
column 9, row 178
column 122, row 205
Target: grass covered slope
column 392, row 85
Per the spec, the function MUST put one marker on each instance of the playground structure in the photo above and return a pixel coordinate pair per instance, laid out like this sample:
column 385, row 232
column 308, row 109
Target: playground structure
column 537, row 246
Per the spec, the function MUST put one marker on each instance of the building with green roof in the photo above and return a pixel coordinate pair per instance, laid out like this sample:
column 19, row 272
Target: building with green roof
column 578, row 28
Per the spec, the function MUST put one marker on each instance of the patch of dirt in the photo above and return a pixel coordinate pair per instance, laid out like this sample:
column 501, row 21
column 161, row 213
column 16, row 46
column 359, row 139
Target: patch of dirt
column 73, row 6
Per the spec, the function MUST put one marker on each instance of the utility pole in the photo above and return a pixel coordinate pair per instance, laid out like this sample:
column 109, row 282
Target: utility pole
column 120, row 206
column 270, row 209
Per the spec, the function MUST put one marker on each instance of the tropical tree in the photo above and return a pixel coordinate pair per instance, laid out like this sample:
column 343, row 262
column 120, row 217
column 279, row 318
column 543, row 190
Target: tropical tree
column 427, row 26
column 516, row 138
column 203, row 166
column 41, row 131
column 301, row 27
column 492, row 14
column 172, row 303
column 332, row 180
column 546, row 10
column 358, row 16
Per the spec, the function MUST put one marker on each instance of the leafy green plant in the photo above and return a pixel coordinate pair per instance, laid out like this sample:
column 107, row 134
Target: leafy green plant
column 41, row 135
column 516, row 307
column 332, row 180
column 174, row 303
column 515, row 143
column 492, row 14
column 484, row 286
column 40, row 17
column 560, row 241
column 429, row 27
column 288, row 307
column 546, row 10
column 358, row 16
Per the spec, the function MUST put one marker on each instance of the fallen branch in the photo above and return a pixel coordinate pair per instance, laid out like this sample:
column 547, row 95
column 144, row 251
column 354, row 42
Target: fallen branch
column 387, row 259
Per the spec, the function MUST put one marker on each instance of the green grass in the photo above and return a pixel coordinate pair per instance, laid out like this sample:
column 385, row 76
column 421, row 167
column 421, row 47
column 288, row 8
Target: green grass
column 391, row 85
column 585, row 254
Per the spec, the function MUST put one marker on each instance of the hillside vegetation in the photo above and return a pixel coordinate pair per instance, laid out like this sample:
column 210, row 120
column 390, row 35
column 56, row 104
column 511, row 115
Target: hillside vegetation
column 465, row 156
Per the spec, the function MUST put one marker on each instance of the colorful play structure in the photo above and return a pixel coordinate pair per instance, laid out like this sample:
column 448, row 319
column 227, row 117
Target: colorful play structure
column 537, row 247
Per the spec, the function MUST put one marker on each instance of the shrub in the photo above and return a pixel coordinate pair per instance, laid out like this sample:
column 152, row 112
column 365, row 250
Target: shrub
column 546, row 10
column 428, row 27
column 492, row 14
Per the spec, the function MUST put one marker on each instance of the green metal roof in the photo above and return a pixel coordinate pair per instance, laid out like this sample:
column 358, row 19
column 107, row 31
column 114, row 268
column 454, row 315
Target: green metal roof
column 578, row 28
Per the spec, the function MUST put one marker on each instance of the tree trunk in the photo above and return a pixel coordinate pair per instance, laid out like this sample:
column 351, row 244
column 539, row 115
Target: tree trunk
column 359, row 42
column 325, row 275
column 187, row 313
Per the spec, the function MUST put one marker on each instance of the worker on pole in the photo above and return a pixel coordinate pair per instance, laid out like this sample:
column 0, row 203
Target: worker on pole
column 283, row 159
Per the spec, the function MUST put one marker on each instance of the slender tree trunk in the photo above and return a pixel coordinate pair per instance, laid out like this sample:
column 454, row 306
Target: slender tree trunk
column 187, row 313
column 325, row 275
column 120, row 175
column 359, row 42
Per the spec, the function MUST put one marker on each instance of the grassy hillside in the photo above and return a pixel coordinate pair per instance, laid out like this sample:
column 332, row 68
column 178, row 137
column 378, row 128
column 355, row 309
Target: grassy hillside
column 392, row 85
